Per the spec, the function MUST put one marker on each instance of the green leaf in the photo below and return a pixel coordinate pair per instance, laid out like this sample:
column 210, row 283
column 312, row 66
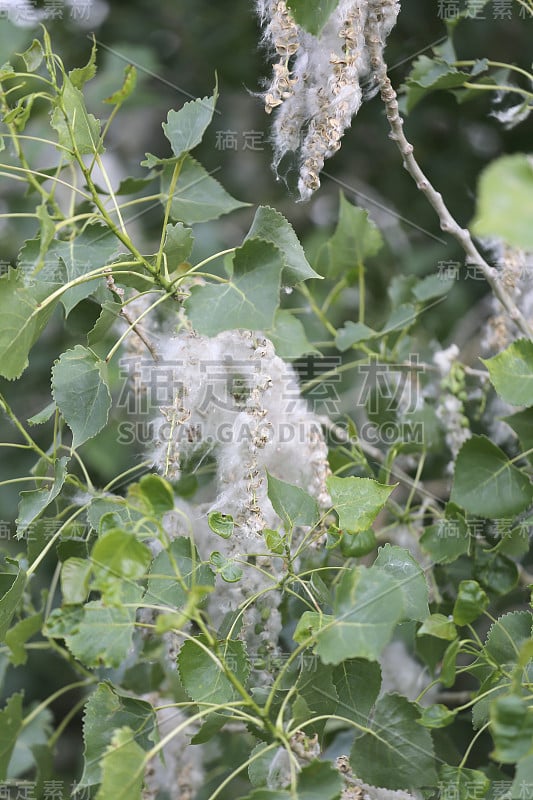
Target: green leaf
column 10, row 726
column 270, row 226
column 448, row 539
column 400, row 565
column 398, row 754
column 511, row 372
column 461, row 783
column 158, row 492
column 292, row 504
column 522, row 425
column 274, row 541
column 21, row 322
column 227, row 568
column 128, row 86
column 523, row 779
column 437, row 716
column 312, row 15
column 487, row 484
column 438, row 625
column 105, row 711
column 356, row 238
column 202, row 677
column 357, row 501
column 103, row 634
column 504, row 201
column 44, row 415
column 221, row 524
column 248, row 300
column 511, row 728
column 185, row 128
column 358, row 683
column 356, row 545
column 120, row 555
column 19, row 634
column 175, row 573
column 197, row 197
column 178, row 244
column 470, row 602
column 353, row 333
column 431, row 287
column 319, row 780
column 80, row 390
column 75, row 573
column 506, row 636
column 33, row 56
column 34, row 502
column 11, row 593
column 122, row 768
column 368, row 605
column 72, row 121
column 449, row 664
column 316, row 695
column 289, row 337
column 430, row 74
column 81, row 75
column 94, row 248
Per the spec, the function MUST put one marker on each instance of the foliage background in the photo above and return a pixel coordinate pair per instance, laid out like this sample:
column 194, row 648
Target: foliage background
column 178, row 46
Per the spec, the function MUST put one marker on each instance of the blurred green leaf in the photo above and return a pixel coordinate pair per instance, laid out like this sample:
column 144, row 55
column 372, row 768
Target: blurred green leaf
column 511, row 372
column 504, row 201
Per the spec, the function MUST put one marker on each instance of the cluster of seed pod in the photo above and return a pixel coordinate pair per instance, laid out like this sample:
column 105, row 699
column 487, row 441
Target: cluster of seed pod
column 318, row 82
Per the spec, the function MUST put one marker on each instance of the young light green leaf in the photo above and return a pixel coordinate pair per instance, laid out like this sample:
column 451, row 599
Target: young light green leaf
column 511, row 728
column 202, row 677
column 504, row 201
column 438, row 625
column 437, row 716
column 11, row 592
column 197, row 196
column 105, row 711
column 43, row 416
column 119, row 554
column 128, row 86
column 178, row 244
column 357, row 501
column 249, row 299
column 289, row 337
column 356, row 238
column 74, row 125
column 271, row 226
column 81, row 75
column 158, row 492
column 470, row 602
column 34, row 502
column 292, row 504
column 221, row 524
column 356, row 545
column 485, row 482
column 18, row 635
column 511, row 372
column 80, row 390
column 312, row 15
column 75, row 574
column 185, row 128
column 33, row 56
column 400, row 564
column 122, row 768
column 10, row 726
column 227, row 568
column 398, row 754
column 21, row 322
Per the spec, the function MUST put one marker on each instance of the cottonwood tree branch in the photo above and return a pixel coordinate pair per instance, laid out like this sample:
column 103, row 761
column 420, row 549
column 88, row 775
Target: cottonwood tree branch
column 448, row 223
